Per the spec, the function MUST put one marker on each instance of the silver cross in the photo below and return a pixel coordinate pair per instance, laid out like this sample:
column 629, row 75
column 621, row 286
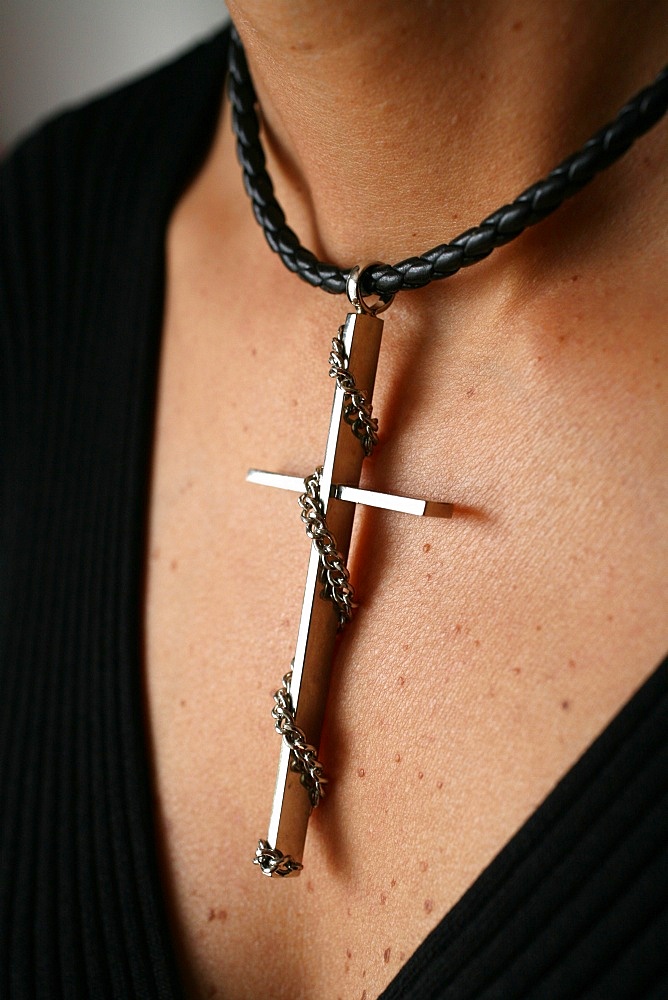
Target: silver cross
column 305, row 692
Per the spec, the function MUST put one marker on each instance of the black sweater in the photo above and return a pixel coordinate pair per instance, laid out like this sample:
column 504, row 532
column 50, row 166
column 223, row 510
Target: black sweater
column 574, row 906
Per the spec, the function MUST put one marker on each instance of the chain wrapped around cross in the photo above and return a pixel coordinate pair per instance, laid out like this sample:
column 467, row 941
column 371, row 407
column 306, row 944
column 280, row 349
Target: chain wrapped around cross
column 328, row 499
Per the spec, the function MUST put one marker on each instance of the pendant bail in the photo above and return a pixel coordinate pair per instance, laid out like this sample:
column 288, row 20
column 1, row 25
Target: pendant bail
column 354, row 292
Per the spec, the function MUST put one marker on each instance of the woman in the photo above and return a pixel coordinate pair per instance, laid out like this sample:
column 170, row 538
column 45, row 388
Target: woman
column 156, row 350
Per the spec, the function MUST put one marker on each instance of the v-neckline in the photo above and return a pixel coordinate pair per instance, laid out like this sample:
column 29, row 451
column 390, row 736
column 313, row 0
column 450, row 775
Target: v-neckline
column 544, row 841
column 519, row 852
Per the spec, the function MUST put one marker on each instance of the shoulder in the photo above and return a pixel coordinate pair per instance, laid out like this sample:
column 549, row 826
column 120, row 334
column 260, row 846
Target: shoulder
column 121, row 130
column 84, row 202
column 96, row 180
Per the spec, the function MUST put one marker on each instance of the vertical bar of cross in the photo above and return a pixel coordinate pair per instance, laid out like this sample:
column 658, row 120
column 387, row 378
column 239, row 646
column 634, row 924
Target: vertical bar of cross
column 319, row 621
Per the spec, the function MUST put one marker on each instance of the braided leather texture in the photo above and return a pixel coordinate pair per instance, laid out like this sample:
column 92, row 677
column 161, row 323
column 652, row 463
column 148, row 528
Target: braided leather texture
column 535, row 203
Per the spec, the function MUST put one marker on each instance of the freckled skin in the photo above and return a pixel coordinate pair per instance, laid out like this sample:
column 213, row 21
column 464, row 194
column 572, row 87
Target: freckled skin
column 553, row 467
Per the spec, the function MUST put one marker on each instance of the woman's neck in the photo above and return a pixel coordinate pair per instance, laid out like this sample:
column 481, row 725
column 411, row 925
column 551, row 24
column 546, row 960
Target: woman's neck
column 392, row 127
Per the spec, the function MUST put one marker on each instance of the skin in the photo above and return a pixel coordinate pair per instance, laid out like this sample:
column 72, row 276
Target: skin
column 489, row 651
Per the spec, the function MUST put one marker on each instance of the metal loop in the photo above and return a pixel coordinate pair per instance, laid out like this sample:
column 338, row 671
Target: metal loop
column 354, row 292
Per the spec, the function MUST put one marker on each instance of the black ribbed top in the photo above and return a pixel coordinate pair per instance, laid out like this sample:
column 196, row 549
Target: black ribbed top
column 575, row 906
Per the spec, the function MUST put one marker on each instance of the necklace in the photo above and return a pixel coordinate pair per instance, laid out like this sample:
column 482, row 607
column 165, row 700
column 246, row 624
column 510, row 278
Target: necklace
column 329, row 496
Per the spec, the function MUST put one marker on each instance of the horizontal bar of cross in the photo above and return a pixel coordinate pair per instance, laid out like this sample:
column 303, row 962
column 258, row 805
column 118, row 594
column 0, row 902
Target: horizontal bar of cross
column 367, row 498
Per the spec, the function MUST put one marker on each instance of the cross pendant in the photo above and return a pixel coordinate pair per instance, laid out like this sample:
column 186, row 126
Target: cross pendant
column 328, row 503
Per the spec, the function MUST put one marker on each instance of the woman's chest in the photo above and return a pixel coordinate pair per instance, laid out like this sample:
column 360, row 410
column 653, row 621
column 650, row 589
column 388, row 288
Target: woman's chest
column 487, row 652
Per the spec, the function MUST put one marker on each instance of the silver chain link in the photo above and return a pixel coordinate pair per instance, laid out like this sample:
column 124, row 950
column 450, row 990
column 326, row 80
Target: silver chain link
column 274, row 862
column 357, row 411
column 305, row 756
column 334, row 572
column 305, row 762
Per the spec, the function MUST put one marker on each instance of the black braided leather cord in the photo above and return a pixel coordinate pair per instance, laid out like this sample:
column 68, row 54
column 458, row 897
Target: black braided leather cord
column 635, row 118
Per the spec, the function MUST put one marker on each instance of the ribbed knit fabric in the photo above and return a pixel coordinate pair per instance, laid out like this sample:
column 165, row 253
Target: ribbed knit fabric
column 83, row 210
column 575, row 906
